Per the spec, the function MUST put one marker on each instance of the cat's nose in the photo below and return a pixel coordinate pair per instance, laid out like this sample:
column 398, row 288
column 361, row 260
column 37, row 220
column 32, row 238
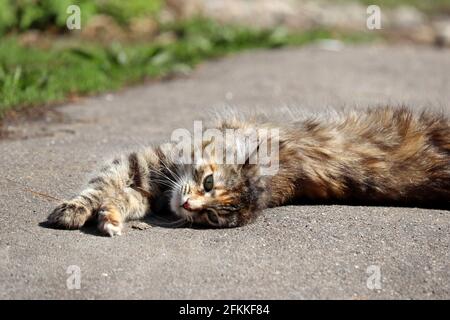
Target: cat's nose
column 186, row 205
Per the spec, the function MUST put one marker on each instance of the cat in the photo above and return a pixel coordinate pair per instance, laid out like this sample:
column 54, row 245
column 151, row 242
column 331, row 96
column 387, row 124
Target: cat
column 381, row 155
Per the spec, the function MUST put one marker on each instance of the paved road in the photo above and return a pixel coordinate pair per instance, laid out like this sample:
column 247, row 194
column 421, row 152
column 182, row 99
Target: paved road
column 292, row 252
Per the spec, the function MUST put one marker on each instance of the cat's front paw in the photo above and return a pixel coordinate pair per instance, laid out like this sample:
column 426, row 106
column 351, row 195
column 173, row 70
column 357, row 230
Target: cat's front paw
column 109, row 221
column 69, row 215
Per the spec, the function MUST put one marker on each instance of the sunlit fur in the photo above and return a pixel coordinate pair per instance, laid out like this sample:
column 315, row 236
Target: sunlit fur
column 378, row 156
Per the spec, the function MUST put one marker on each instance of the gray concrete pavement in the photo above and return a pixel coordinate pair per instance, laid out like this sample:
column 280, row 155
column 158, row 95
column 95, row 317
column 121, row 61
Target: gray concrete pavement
column 291, row 252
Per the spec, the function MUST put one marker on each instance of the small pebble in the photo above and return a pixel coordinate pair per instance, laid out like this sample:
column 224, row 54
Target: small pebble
column 140, row 225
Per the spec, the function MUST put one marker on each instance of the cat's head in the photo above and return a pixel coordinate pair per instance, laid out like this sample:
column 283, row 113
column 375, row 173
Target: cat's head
column 217, row 195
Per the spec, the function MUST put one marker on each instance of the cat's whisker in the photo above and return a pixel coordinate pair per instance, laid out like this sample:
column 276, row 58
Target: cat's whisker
column 163, row 162
column 166, row 180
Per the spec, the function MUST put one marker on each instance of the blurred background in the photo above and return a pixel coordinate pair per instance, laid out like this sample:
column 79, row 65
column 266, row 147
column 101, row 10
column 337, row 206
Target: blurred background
column 45, row 58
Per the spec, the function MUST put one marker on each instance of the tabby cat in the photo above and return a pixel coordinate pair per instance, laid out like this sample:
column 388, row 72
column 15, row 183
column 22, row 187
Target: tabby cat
column 382, row 155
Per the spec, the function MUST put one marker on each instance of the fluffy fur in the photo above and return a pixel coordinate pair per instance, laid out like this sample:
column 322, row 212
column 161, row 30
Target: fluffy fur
column 377, row 156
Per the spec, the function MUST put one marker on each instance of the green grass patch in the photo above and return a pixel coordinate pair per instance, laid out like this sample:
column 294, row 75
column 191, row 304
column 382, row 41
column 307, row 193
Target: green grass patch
column 34, row 76
column 25, row 14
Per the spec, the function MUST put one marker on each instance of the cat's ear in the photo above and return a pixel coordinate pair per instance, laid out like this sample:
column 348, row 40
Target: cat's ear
column 264, row 158
column 203, row 150
column 246, row 148
column 251, row 160
column 208, row 148
column 207, row 143
column 212, row 144
column 252, row 157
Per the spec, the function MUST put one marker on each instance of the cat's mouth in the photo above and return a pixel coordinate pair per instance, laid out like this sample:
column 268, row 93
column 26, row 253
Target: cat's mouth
column 194, row 214
column 183, row 212
column 200, row 216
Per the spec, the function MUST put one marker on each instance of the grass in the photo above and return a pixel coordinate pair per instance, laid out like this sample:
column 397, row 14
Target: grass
column 44, row 14
column 37, row 76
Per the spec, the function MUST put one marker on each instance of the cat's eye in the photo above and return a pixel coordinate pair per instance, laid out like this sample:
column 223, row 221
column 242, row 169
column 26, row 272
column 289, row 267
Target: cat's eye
column 212, row 217
column 208, row 183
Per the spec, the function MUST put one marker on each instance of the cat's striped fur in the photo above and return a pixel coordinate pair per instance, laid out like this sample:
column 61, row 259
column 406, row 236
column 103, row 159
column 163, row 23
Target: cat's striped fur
column 381, row 156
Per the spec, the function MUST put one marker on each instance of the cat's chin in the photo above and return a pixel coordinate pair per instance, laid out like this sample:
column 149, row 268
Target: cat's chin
column 180, row 212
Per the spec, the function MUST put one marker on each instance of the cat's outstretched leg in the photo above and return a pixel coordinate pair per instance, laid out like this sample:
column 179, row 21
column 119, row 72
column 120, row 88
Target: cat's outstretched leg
column 113, row 196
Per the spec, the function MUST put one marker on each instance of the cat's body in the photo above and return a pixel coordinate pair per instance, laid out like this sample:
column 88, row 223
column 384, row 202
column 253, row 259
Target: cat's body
column 378, row 156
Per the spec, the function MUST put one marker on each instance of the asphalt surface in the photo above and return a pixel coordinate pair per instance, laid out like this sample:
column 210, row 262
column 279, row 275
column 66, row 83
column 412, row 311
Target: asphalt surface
column 291, row 252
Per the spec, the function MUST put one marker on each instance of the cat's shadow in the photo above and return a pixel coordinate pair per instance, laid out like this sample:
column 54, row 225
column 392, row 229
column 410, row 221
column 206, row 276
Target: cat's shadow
column 438, row 205
column 169, row 220
column 162, row 220
column 89, row 228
